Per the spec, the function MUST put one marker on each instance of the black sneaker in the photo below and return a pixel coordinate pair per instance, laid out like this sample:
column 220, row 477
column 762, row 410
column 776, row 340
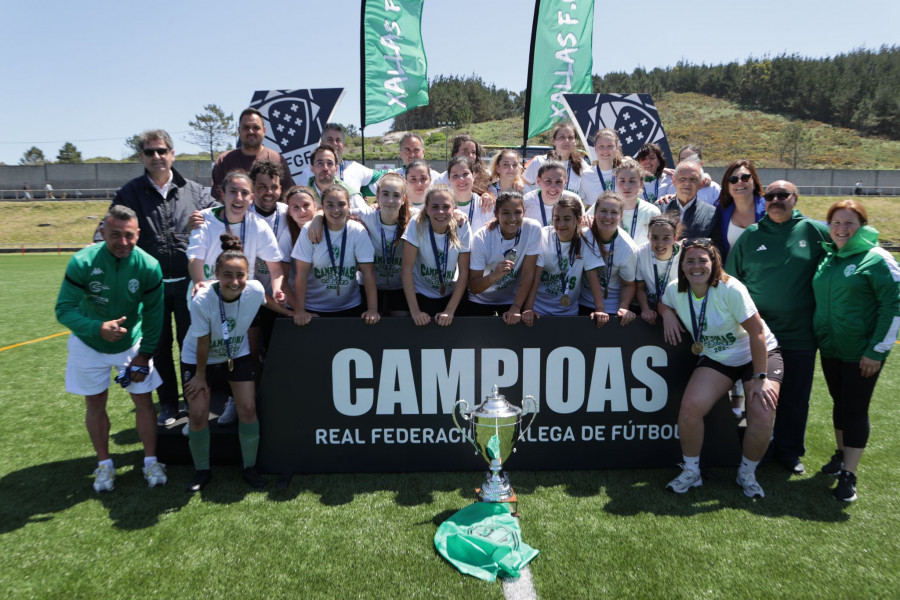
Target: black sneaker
column 256, row 481
column 167, row 416
column 846, row 487
column 835, row 465
column 201, row 478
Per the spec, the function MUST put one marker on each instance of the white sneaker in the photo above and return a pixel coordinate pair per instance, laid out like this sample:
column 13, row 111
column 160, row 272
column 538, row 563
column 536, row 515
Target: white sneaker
column 104, row 478
column 747, row 480
column 229, row 415
column 155, row 474
column 186, row 429
column 687, row 480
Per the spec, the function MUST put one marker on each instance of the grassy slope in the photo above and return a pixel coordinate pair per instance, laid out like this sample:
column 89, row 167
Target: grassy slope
column 600, row 533
column 71, row 222
column 724, row 128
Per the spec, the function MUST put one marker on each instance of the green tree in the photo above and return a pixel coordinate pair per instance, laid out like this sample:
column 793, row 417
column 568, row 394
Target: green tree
column 69, row 154
column 794, row 143
column 33, row 156
column 212, row 130
column 134, row 145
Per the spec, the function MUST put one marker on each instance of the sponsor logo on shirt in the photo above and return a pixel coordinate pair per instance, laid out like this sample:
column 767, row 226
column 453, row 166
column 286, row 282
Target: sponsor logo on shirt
column 134, row 285
column 97, row 271
column 761, row 248
column 849, row 270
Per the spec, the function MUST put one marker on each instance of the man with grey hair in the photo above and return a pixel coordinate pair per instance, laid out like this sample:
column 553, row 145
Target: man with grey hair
column 163, row 201
column 696, row 215
column 784, row 247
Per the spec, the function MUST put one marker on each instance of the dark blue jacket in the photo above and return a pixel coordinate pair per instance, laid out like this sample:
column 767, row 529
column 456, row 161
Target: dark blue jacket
column 722, row 218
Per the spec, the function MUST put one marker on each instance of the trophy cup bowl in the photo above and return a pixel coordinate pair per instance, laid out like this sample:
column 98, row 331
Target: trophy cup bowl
column 493, row 428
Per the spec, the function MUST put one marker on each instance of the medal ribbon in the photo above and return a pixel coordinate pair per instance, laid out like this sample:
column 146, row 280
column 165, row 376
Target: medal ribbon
column 388, row 256
column 634, row 219
column 698, row 331
column 604, row 281
column 661, row 283
column 543, row 211
column 564, row 275
column 340, row 266
column 440, row 264
column 655, row 192
column 603, row 180
column 225, row 337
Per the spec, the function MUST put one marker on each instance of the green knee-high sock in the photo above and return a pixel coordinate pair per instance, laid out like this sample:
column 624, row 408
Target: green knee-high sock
column 248, row 434
column 199, row 444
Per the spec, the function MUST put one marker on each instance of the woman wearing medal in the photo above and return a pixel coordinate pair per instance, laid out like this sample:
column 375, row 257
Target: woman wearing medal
column 563, row 265
column 386, row 225
column 733, row 343
column 657, row 262
column 460, row 173
column 618, row 251
column 502, row 261
column 565, row 148
column 435, row 267
column 326, row 283
column 221, row 314
column 551, row 181
column 601, row 176
column 657, row 183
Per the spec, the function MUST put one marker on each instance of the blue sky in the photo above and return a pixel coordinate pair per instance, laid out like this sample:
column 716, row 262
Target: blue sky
column 97, row 72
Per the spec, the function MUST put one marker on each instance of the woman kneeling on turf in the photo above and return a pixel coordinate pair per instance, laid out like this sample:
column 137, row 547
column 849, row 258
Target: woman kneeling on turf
column 220, row 316
column 733, row 342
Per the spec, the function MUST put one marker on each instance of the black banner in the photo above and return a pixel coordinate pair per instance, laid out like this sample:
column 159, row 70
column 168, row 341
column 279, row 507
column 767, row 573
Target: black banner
column 338, row 396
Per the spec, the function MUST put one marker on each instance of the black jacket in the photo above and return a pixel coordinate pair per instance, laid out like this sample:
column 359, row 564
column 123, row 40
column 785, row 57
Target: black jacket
column 164, row 222
column 697, row 220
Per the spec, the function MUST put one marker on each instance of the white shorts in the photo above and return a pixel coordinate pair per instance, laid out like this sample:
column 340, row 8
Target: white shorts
column 88, row 371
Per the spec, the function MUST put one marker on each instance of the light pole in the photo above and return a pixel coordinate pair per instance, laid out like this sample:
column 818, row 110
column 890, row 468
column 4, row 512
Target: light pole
column 444, row 125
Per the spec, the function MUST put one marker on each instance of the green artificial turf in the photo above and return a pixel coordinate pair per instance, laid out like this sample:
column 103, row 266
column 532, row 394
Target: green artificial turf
column 602, row 534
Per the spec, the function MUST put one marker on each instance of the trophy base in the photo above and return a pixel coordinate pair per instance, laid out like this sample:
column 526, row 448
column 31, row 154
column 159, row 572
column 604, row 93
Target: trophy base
column 511, row 501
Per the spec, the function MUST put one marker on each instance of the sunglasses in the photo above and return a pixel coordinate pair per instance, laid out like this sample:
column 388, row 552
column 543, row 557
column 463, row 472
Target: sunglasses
column 782, row 196
column 151, row 152
column 744, row 177
column 696, row 243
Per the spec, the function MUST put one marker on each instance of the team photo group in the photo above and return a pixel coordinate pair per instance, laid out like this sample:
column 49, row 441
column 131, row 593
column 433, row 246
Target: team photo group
column 733, row 267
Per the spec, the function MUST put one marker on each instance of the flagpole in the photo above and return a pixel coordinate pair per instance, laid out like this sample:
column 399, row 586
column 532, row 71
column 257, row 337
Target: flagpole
column 362, row 80
column 534, row 26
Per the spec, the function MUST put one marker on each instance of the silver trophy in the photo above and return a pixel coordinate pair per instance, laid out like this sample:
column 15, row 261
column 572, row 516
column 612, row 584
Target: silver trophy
column 493, row 428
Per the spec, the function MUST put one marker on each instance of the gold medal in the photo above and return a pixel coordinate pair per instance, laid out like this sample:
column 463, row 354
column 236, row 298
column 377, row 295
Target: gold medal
column 442, row 290
column 565, row 300
column 697, row 348
column 231, row 364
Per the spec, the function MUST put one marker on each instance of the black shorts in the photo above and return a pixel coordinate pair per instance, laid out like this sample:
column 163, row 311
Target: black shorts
column 388, row 301
column 774, row 367
column 243, row 370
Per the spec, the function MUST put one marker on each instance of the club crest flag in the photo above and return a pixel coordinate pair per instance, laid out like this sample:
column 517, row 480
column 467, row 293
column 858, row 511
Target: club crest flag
column 560, row 60
column 395, row 72
column 633, row 116
column 294, row 120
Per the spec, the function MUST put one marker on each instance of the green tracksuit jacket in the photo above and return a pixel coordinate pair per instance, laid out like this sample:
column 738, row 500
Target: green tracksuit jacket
column 857, row 292
column 777, row 261
column 99, row 287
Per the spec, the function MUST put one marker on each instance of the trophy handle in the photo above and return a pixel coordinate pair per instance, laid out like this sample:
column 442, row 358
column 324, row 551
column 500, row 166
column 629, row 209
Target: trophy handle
column 462, row 413
column 526, row 401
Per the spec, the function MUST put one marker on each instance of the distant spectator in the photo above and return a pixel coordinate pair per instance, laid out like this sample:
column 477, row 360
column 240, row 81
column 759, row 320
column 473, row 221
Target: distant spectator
column 26, row 189
column 857, row 189
column 49, row 189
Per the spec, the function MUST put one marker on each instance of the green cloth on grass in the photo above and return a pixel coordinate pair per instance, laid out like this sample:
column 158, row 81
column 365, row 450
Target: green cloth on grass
column 484, row 540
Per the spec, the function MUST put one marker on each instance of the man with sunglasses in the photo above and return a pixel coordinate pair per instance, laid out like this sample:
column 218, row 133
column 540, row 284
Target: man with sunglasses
column 163, row 201
column 784, row 246
column 696, row 215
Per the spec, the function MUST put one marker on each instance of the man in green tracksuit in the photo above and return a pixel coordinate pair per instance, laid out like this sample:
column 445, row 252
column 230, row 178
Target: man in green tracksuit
column 776, row 259
column 112, row 300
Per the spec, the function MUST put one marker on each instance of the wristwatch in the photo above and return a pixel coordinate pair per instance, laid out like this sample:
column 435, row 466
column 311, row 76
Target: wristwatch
column 760, row 376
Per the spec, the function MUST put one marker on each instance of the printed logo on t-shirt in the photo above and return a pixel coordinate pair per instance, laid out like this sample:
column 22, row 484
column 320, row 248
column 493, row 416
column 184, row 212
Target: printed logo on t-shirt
column 718, row 343
column 432, row 276
column 386, row 270
column 261, row 267
column 849, row 270
column 133, row 285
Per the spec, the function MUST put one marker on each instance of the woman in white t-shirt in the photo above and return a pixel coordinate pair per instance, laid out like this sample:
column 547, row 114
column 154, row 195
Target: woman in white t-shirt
column 565, row 149
column 601, row 176
column 326, row 283
column 221, row 314
column 506, row 173
column 551, row 180
column 435, row 268
column 617, row 250
column 563, row 265
column 636, row 213
column 418, row 180
column 502, row 261
column 733, row 343
column 256, row 236
column 657, row 183
column 657, row 263
column 462, row 179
